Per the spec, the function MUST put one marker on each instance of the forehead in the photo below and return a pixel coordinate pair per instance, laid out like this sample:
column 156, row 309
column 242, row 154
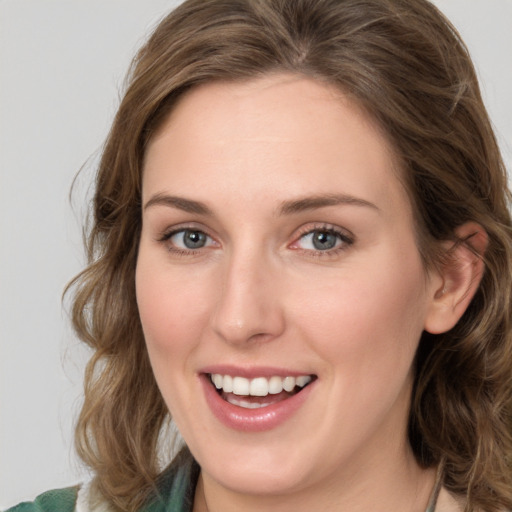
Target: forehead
column 279, row 128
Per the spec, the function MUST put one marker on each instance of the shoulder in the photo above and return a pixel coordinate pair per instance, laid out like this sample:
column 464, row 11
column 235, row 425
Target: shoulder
column 176, row 486
column 449, row 502
column 175, row 493
column 174, row 490
column 61, row 500
column 72, row 499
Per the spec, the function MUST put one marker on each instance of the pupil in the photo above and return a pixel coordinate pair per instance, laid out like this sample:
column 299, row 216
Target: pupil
column 194, row 239
column 323, row 240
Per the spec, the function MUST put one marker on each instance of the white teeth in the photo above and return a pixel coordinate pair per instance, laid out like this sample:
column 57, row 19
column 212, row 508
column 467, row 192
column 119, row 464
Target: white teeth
column 289, row 383
column 227, row 383
column 260, row 386
column 246, row 405
column 217, row 380
column 275, row 385
column 241, row 386
column 302, row 380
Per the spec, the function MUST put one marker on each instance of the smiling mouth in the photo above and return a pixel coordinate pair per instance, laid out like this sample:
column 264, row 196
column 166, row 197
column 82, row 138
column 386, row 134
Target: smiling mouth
column 260, row 391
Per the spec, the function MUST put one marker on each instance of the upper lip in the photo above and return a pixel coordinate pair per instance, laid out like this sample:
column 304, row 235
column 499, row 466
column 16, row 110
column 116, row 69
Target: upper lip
column 251, row 372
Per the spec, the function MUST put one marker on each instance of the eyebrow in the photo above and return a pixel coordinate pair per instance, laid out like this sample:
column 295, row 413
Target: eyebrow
column 321, row 201
column 286, row 208
column 187, row 205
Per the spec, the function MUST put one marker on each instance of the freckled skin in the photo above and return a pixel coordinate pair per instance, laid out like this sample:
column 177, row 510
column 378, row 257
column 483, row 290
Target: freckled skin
column 259, row 293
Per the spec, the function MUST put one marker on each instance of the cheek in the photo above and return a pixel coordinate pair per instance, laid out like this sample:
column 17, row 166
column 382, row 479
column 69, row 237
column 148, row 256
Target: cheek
column 170, row 309
column 170, row 306
column 369, row 320
column 365, row 330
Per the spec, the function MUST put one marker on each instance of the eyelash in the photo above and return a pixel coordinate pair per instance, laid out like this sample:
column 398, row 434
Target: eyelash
column 342, row 236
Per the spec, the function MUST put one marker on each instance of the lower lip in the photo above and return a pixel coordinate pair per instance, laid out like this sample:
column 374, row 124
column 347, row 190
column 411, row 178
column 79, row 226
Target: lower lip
column 253, row 420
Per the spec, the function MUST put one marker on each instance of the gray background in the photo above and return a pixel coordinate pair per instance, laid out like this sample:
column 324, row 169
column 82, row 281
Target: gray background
column 62, row 63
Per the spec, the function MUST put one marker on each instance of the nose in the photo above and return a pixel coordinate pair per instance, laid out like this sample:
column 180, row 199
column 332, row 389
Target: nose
column 249, row 306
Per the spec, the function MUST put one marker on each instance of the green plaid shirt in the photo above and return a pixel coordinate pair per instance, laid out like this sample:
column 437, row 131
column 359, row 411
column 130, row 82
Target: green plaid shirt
column 176, row 489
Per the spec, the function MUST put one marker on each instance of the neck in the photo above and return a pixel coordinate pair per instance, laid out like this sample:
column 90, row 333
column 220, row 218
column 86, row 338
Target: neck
column 398, row 485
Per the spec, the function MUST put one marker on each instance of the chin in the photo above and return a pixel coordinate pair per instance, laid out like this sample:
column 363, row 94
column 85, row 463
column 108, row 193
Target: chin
column 249, row 479
column 267, row 469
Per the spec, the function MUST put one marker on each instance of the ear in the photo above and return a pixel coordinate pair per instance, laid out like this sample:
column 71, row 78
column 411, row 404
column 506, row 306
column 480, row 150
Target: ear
column 457, row 279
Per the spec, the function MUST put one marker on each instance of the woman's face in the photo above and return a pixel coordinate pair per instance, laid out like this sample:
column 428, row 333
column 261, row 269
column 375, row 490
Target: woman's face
column 278, row 248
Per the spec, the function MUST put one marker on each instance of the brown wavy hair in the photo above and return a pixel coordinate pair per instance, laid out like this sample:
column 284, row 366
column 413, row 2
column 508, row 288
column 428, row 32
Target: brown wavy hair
column 404, row 63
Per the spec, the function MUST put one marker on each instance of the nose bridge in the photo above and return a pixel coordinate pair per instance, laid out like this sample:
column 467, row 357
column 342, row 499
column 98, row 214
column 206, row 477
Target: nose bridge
column 248, row 306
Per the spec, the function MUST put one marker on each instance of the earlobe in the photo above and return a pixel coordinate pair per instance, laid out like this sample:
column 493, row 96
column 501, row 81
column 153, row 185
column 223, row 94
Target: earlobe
column 460, row 274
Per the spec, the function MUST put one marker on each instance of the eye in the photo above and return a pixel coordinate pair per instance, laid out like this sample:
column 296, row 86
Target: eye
column 320, row 240
column 187, row 240
column 324, row 239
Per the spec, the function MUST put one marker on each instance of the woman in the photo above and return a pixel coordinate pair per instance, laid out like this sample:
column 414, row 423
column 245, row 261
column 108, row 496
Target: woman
column 301, row 251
